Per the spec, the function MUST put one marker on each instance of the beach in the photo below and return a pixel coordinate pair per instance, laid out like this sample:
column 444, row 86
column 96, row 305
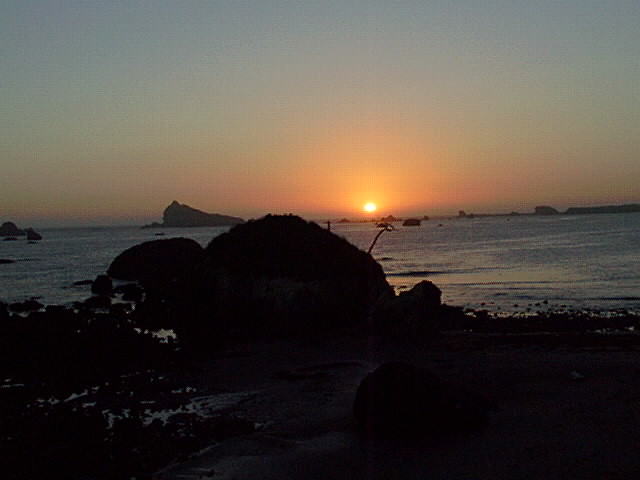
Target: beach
column 246, row 362
column 567, row 408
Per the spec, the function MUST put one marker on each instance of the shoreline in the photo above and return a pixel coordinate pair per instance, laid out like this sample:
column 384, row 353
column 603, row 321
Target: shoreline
column 276, row 407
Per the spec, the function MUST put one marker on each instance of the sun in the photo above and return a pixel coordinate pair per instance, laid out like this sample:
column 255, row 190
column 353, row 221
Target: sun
column 370, row 207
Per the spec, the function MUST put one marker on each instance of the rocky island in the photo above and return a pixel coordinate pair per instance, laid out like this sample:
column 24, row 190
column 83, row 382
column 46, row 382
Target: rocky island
column 181, row 215
column 10, row 230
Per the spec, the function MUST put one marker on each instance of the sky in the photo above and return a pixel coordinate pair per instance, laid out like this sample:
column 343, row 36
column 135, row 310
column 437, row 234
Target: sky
column 109, row 111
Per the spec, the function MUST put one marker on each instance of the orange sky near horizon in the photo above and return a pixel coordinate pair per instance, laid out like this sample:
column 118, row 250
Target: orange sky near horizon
column 109, row 112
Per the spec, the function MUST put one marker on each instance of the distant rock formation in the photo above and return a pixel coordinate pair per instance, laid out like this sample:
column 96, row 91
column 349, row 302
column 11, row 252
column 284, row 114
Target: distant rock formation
column 32, row 234
column 390, row 219
column 411, row 222
column 9, row 229
column 179, row 215
column 628, row 208
column 545, row 210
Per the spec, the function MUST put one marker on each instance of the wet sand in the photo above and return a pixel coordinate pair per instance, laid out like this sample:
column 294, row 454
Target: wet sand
column 569, row 407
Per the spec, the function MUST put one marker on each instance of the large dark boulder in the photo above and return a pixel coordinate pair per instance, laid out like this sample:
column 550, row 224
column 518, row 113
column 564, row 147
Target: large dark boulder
column 9, row 229
column 402, row 399
column 157, row 260
column 283, row 275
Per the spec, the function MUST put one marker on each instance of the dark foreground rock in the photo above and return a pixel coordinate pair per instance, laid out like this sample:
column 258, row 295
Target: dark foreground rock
column 158, row 264
column 399, row 398
column 282, row 275
column 102, row 285
column 418, row 311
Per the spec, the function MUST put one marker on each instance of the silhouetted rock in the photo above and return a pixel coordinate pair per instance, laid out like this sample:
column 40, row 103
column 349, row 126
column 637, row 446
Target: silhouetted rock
column 32, row 234
column 9, row 229
column 283, row 275
column 628, row 208
column 6, row 261
column 402, row 399
column 411, row 222
column 102, row 285
column 544, row 210
column 179, row 215
column 26, row 306
column 413, row 312
column 158, row 264
column 10, row 239
column 97, row 302
column 389, row 219
column 130, row 292
column 4, row 313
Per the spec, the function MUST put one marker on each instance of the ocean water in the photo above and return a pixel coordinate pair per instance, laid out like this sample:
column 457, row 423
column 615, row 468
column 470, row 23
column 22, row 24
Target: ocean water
column 498, row 263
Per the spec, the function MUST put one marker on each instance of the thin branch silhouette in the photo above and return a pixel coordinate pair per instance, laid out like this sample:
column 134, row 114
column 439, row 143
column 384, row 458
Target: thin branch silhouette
column 384, row 227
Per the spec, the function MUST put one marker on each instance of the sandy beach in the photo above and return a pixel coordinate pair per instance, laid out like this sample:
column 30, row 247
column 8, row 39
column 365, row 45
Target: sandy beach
column 568, row 407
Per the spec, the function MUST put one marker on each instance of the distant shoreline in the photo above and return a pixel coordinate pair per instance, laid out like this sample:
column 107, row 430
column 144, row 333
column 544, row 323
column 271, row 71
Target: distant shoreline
column 540, row 211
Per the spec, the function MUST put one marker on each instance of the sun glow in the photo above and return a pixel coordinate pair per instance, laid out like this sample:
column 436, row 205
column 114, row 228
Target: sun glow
column 370, row 207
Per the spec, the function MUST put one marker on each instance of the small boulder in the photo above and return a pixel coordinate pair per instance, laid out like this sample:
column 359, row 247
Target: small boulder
column 415, row 311
column 402, row 399
column 131, row 292
column 102, row 285
column 97, row 302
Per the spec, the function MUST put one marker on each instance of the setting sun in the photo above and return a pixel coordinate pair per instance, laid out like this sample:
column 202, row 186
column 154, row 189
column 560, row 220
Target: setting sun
column 370, row 207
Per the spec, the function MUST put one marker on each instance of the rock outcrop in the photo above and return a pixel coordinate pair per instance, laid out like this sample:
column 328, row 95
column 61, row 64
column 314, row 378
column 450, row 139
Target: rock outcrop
column 282, row 275
column 32, row 234
column 10, row 229
column 179, row 215
column 628, row 208
column 402, row 399
column 416, row 312
column 411, row 222
column 158, row 264
column 545, row 210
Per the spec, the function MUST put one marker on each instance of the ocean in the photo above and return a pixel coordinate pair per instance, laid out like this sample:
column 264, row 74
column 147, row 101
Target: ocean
column 502, row 264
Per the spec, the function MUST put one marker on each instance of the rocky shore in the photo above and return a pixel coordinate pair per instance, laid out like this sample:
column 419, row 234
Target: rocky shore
column 253, row 358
